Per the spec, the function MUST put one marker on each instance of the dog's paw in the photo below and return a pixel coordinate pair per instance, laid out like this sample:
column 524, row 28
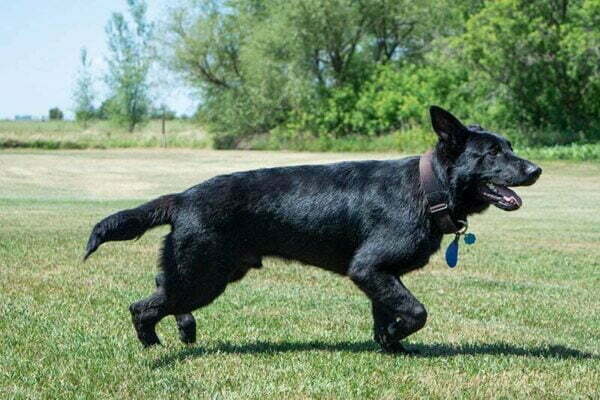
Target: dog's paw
column 187, row 328
column 148, row 339
column 394, row 348
column 388, row 343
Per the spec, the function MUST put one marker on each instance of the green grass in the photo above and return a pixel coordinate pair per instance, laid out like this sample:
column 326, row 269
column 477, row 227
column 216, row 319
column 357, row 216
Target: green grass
column 518, row 318
column 52, row 135
column 411, row 141
column 414, row 140
column 574, row 151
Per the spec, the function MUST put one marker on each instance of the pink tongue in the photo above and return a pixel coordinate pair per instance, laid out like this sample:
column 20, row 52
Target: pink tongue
column 510, row 199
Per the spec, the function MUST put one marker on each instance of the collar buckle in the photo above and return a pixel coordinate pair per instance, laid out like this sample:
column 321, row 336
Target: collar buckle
column 438, row 207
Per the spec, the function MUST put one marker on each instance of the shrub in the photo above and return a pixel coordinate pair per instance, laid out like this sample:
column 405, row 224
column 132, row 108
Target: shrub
column 55, row 114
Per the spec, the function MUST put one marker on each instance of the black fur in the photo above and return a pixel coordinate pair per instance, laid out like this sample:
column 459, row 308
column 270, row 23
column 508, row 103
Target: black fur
column 366, row 220
column 130, row 224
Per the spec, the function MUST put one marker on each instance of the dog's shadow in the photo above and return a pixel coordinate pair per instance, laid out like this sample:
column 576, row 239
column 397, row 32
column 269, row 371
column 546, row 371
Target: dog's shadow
column 422, row 350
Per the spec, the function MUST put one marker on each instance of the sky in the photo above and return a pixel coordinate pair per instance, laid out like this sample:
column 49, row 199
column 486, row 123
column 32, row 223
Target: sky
column 40, row 42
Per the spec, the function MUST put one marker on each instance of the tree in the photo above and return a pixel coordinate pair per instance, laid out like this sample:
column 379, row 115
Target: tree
column 339, row 67
column 83, row 94
column 129, row 62
column 539, row 59
column 55, row 114
column 104, row 111
column 257, row 63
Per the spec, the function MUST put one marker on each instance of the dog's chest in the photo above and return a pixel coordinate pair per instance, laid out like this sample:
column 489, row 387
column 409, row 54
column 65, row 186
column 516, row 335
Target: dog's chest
column 412, row 250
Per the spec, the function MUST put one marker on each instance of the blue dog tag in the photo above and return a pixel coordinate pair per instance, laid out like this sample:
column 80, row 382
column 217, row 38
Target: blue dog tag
column 470, row 238
column 452, row 250
column 452, row 253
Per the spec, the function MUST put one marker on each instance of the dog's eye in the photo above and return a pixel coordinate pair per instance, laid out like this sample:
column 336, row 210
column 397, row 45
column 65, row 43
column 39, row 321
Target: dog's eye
column 493, row 151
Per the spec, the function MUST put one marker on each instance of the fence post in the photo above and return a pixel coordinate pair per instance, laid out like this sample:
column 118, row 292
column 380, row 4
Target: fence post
column 163, row 130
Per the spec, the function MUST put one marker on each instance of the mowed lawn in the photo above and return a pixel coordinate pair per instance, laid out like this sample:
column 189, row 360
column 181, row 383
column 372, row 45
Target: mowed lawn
column 518, row 318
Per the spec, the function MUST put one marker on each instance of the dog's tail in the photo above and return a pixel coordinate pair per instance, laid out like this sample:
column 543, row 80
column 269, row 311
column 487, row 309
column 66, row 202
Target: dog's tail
column 132, row 223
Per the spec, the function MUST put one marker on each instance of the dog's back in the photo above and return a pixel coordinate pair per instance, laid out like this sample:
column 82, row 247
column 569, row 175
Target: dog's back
column 317, row 214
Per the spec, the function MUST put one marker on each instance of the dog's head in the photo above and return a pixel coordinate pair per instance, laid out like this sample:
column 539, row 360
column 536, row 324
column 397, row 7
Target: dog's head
column 482, row 164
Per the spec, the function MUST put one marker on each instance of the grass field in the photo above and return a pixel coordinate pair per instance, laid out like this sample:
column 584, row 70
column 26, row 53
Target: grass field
column 518, row 318
column 99, row 135
column 52, row 135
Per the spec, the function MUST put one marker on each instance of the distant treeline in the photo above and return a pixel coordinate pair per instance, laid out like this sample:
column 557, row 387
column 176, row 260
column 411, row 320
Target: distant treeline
column 331, row 69
column 370, row 67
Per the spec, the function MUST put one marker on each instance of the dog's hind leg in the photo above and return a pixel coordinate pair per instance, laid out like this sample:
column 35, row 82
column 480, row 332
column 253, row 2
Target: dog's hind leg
column 145, row 314
column 186, row 323
column 202, row 287
column 193, row 275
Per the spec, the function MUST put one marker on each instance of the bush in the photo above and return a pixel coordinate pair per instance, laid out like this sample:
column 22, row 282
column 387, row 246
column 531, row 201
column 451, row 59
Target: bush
column 326, row 70
column 55, row 114
column 409, row 141
column 575, row 152
column 539, row 59
column 393, row 98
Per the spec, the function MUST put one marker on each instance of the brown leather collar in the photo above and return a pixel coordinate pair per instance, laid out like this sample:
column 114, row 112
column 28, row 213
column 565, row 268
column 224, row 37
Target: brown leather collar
column 436, row 196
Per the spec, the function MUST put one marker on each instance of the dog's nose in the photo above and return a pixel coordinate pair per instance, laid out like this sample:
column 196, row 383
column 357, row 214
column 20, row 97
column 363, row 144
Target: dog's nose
column 533, row 171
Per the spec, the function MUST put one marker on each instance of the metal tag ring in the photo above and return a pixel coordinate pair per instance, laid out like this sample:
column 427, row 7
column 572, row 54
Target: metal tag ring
column 464, row 228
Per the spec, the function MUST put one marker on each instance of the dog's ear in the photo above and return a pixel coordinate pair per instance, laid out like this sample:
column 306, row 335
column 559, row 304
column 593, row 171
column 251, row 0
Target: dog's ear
column 448, row 128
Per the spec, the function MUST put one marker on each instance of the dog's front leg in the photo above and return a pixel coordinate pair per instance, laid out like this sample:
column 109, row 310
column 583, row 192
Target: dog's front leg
column 382, row 321
column 393, row 304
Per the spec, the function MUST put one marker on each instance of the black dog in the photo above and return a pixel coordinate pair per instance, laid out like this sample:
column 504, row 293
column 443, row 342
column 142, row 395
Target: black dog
column 368, row 220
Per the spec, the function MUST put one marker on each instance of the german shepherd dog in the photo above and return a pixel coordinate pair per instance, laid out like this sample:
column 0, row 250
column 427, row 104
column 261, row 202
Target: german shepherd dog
column 367, row 220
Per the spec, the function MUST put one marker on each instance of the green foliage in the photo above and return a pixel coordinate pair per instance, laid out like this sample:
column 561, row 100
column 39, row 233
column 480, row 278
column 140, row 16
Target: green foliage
column 258, row 63
column 55, row 114
column 128, row 65
column 103, row 111
column 83, row 94
column 40, row 144
column 339, row 68
column 539, row 58
column 409, row 142
column 162, row 112
column 573, row 151
column 393, row 99
column 99, row 134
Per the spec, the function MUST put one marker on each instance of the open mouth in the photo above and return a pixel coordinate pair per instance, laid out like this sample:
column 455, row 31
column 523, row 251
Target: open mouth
column 500, row 196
